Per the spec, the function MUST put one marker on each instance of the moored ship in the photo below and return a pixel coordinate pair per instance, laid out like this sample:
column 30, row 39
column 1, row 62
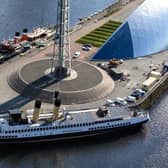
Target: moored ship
column 19, row 127
column 21, row 43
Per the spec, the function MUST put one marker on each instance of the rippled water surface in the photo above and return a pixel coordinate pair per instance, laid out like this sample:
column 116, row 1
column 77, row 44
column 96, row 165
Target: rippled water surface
column 17, row 14
column 145, row 148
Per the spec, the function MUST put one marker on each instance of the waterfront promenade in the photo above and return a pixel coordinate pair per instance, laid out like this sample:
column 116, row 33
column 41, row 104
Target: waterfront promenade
column 8, row 96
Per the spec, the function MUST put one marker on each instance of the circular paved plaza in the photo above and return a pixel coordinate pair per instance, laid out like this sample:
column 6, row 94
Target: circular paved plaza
column 87, row 83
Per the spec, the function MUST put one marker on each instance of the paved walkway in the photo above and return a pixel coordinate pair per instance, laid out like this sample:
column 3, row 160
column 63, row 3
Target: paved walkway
column 11, row 98
column 120, row 15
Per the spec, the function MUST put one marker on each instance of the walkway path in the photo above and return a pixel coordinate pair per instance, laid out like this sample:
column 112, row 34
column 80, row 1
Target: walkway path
column 10, row 96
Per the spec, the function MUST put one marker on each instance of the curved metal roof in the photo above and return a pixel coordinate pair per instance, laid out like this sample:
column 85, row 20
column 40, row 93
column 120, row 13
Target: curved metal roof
column 143, row 33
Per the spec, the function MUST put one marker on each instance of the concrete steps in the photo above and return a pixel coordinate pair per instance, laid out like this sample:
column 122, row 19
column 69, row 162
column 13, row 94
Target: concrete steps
column 76, row 97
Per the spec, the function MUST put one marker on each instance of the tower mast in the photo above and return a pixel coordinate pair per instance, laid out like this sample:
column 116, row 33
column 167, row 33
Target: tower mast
column 61, row 62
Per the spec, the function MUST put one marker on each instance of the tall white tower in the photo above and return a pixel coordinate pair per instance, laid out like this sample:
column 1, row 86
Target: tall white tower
column 61, row 62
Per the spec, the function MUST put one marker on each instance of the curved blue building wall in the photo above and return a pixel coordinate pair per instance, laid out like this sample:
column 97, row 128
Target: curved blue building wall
column 144, row 32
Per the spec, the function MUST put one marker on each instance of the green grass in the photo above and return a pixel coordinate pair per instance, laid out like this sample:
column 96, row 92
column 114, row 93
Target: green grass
column 106, row 30
column 94, row 43
column 102, row 36
column 107, row 27
column 115, row 22
column 94, row 39
column 102, row 33
column 98, row 36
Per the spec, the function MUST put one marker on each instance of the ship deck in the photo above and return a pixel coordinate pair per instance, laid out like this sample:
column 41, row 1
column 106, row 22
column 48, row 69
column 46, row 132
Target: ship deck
column 88, row 115
column 78, row 116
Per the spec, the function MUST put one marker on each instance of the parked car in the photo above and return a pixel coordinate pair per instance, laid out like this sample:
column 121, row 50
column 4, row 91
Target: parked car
column 25, row 45
column 138, row 93
column 142, row 92
column 87, row 47
column 76, row 54
column 131, row 99
column 17, row 47
column 120, row 101
column 103, row 66
column 110, row 102
column 40, row 44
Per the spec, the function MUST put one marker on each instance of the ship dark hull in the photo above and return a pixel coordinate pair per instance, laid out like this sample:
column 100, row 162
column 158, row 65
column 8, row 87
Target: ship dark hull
column 72, row 136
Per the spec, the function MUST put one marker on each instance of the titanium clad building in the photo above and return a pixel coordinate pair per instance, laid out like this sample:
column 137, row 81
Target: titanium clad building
column 143, row 33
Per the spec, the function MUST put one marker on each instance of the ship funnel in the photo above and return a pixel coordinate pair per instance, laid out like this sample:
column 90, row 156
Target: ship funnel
column 17, row 34
column 55, row 94
column 25, row 35
column 25, row 30
column 57, row 104
column 17, row 38
column 36, row 112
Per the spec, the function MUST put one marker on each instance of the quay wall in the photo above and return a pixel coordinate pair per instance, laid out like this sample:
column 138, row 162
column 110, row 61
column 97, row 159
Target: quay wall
column 109, row 10
column 154, row 93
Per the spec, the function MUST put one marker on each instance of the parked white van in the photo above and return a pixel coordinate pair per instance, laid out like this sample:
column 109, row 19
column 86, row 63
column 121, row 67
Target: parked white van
column 131, row 99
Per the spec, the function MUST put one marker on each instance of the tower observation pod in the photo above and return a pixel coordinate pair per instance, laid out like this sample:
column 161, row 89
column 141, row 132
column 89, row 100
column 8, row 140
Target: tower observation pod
column 61, row 62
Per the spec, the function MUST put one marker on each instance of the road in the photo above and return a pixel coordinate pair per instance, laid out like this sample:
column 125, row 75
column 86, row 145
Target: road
column 10, row 98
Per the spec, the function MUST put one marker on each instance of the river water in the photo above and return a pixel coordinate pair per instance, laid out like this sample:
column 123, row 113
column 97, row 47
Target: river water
column 147, row 148
column 19, row 14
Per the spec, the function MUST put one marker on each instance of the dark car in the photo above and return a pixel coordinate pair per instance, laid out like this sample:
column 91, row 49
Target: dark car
column 87, row 47
column 138, row 94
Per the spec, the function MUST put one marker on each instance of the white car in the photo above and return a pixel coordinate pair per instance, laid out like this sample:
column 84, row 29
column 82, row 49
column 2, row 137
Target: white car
column 142, row 92
column 131, row 99
column 76, row 54
column 110, row 103
column 120, row 101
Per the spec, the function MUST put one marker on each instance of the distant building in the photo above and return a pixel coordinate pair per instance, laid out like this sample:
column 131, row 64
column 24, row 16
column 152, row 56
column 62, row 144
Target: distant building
column 143, row 33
